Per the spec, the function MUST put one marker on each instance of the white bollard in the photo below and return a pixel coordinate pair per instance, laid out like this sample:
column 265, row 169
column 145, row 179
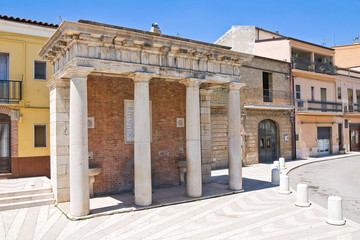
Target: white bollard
column 302, row 195
column 284, row 184
column 276, row 163
column 275, row 175
column 335, row 214
column 282, row 163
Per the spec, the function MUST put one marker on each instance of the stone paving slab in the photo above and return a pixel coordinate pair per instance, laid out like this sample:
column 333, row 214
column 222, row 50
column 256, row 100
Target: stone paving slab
column 258, row 213
column 19, row 184
column 121, row 203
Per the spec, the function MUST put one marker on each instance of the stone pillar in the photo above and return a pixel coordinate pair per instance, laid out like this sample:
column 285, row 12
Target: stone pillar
column 193, row 148
column 142, row 151
column 205, row 126
column 79, row 162
column 235, row 151
column 59, row 138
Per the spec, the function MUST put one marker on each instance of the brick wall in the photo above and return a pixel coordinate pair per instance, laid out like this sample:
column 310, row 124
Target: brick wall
column 106, row 97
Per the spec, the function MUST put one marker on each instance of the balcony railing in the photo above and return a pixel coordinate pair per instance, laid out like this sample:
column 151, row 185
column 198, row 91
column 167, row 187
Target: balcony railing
column 10, row 91
column 348, row 73
column 307, row 65
column 354, row 107
column 318, row 106
column 266, row 96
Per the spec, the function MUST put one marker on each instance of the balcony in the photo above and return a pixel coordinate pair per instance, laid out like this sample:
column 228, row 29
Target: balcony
column 10, row 91
column 266, row 96
column 307, row 65
column 319, row 106
column 355, row 108
column 348, row 73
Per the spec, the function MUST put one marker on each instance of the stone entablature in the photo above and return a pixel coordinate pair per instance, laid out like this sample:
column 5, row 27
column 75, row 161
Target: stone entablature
column 121, row 50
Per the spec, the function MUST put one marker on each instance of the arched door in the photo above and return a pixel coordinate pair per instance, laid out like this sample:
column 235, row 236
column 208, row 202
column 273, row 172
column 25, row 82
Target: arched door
column 5, row 143
column 268, row 141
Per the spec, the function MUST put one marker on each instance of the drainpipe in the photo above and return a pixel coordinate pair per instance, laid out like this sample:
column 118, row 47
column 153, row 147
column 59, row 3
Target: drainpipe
column 292, row 114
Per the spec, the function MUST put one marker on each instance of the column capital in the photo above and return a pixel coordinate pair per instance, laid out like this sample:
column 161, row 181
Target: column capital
column 57, row 82
column 190, row 82
column 235, row 86
column 141, row 77
column 76, row 72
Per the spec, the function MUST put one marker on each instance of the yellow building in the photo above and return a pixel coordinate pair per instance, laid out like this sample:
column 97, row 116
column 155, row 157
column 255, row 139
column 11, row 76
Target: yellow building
column 24, row 98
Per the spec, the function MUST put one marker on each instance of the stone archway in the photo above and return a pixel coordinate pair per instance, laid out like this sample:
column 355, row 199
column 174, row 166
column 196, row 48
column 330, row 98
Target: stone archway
column 268, row 141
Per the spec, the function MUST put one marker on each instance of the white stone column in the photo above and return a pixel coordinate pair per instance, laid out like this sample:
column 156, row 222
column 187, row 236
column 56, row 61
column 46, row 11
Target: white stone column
column 193, row 148
column 79, row 162
column 142, row 151
column 235, row 151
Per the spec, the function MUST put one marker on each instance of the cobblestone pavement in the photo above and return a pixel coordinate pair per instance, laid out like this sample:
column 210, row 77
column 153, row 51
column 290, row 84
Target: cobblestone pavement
column 258, row 213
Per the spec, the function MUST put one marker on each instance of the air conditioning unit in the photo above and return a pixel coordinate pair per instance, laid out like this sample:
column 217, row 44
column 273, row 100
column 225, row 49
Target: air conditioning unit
column 300, row 103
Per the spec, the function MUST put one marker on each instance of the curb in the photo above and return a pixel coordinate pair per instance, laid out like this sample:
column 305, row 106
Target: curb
column 316, row 160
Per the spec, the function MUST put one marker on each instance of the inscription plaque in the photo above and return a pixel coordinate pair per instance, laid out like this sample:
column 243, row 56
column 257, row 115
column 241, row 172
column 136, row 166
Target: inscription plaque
column 129, row 121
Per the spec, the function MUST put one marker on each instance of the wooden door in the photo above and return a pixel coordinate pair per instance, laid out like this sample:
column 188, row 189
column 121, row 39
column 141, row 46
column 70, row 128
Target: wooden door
column 268, row 141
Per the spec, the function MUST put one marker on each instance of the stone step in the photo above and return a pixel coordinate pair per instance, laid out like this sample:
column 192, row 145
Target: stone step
column 26, row 198
column 25, row 192
column 11, row 206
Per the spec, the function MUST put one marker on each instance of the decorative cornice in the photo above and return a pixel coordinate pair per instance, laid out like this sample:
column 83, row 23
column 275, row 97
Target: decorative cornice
column 112, row 36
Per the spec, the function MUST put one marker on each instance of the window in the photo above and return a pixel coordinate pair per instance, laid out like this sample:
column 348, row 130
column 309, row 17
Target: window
column 4, row 66
column 339, row 92
column 358, row 96
column 39, row 70
column 350, row 99
column 312, row 93
column 267, row 87
column 39, row 135
column 4, row 76
column 297, row 92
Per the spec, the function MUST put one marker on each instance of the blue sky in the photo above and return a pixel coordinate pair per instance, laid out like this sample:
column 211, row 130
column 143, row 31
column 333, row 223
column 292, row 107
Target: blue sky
column 316, row 21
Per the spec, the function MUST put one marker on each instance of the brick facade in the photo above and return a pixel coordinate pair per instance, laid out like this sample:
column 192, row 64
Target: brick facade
column 106, row 97
column 251, row 95
column 251, row 120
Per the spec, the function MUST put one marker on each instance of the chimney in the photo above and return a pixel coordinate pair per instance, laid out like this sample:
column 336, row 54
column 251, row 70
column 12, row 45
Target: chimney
column 356, row 40
column 155, row 28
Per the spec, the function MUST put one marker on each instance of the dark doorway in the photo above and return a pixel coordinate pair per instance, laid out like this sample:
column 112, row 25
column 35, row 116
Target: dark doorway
column 340, row 135
column 268, row 141
column 5, row 157
column 267, row 87
column 354, row 137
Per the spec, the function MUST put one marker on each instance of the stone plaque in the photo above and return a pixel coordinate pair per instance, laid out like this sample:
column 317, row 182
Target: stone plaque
column 129, row 121
column 180, row 122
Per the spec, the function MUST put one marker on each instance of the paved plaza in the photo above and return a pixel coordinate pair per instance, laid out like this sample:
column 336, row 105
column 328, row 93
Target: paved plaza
column 258, row 213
